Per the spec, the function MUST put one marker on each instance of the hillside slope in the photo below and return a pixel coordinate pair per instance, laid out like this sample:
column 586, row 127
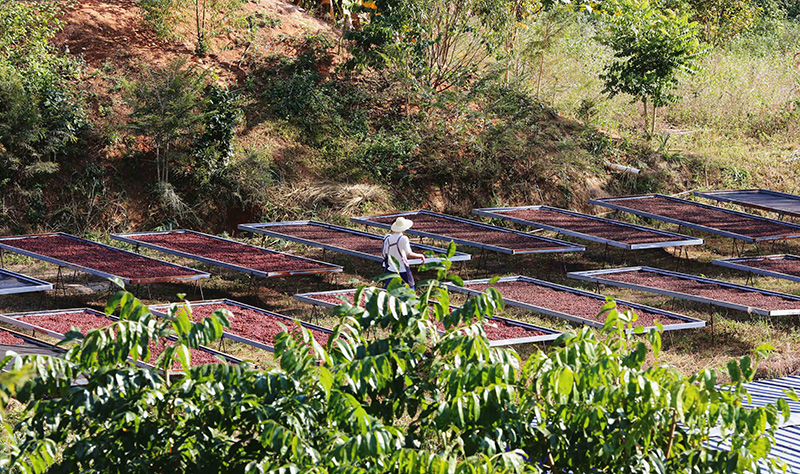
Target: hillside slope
column 318, row 141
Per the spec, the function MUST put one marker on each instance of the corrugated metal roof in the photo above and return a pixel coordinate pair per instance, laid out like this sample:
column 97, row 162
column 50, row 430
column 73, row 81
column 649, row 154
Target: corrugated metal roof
column 787, row 437
column 787, row 447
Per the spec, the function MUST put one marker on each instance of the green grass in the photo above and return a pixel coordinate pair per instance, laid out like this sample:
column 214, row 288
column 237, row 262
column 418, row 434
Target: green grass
column 738, row 116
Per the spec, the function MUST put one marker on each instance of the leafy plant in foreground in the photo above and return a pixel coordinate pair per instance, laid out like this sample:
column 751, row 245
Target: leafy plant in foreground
column 404, row 385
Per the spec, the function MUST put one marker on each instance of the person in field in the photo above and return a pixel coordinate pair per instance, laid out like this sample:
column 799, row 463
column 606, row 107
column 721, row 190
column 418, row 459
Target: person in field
column 397, row 251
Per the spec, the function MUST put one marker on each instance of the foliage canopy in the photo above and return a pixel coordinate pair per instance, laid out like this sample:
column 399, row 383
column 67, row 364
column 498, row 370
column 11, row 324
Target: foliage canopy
column 653, row 48
column 41, row 115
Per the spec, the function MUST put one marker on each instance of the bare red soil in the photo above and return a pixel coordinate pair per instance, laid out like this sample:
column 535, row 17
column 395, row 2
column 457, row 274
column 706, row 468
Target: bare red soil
column 233, row 253
column 566, row 302
column 707, row 290
column 85, row 321
column 113, row 30
column 602, row 229
column 717, row 219
column 475, row 233
column 97, row 257
column 255, row 325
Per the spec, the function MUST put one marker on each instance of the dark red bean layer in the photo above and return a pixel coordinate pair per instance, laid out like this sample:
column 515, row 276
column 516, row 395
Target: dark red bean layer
column 234, row 253
column 602, row 229
column 706, row 290
column 85, row 321
column 255, row 325
column 717, row 219
column 566, row 302
column 97, row 257
column 474, row 233
column 9, row 339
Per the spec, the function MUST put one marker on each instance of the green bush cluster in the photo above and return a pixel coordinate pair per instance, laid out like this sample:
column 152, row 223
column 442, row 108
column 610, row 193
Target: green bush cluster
column 41, row 112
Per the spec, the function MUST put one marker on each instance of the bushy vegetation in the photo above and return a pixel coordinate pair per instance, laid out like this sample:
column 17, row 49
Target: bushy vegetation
column 518, row 102
column 389, row 393
column 41, row 114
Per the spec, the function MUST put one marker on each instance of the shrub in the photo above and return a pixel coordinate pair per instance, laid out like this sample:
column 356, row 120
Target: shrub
column 388, row 156
column 167, row 107
column 41, row 113
column 160, row 15
column 214, row 147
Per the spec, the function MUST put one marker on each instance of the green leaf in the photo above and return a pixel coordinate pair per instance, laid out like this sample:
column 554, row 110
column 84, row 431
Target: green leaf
column 565, row 381
column 456, row 279
column 791, row 394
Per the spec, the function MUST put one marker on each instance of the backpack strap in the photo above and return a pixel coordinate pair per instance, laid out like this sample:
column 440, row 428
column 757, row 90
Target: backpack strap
column 385, row 250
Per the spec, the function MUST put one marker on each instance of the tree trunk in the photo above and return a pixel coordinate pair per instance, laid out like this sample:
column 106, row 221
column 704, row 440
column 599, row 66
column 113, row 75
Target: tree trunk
column 644, row 102
column 197, row 22
column 545, row 42
column 653, row 121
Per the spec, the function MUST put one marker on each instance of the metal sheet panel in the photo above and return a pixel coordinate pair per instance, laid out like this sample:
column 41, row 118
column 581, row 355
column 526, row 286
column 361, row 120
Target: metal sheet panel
column 196, row 275
column 324, row 267
column 161, row 310
column 618, row 203
column 562, row 246
column 787, row 437
column 530, row 306
column 28, row 339
column 13, row 282
column 549, row 334
column 271, row 229
column 741, row 264
column 764, row 199
column 677, row 239
column 598, row 276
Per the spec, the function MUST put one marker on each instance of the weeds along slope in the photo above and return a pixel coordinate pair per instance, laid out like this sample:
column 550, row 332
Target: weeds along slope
column 285, row 133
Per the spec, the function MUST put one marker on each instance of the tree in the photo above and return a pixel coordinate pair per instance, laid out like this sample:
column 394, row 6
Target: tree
column 723, row 19
column 652, row 48
column 439, row 43
column 580, row 396
column 41, row 112
column 209, row 18
column 403, row 385
column 167, row 105
column 209, row 15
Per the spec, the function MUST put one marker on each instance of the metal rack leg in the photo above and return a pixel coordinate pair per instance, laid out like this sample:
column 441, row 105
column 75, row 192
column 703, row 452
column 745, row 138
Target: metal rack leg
column 713, row 330
column 60, row 280
column 199, row 289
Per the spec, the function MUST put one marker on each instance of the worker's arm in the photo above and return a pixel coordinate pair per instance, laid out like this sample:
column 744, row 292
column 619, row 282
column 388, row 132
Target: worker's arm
column 417, row 255
column 405, row 245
